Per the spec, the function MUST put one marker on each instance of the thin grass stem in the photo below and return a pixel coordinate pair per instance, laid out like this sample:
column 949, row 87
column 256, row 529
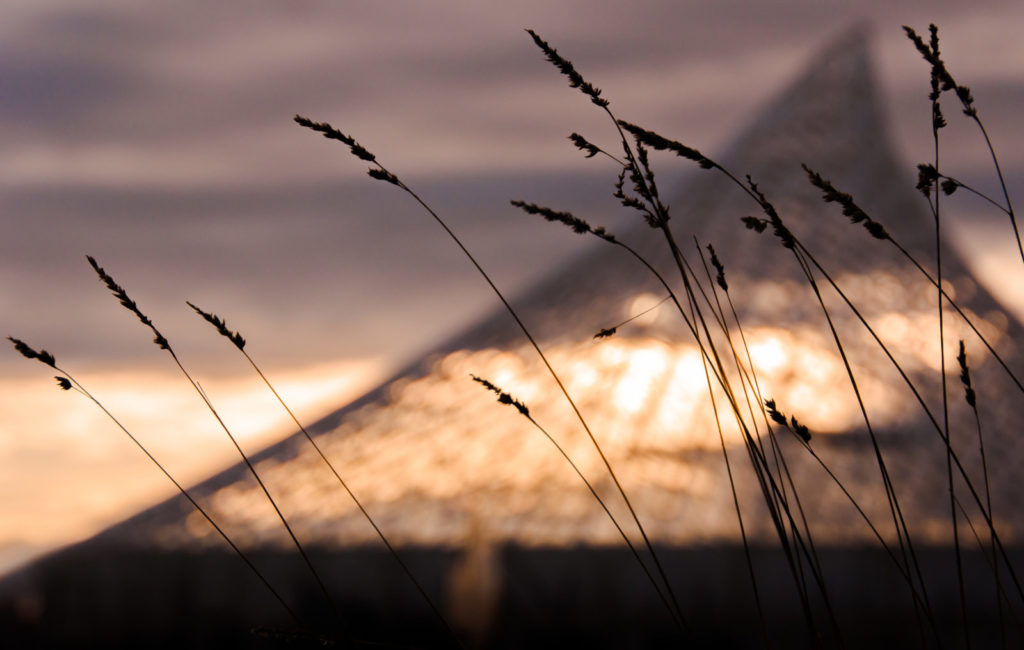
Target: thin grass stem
column 239, row 343
column 69, row 381
column 164, row 344
column 506, row 398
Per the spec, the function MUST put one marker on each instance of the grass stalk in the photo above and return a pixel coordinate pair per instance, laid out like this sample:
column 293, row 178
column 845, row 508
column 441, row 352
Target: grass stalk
column 938, row 122
column 656, row 214
column 736, row 505
column 239, row 342
column 714, row 330
column 164, row 344
column 943, row 81
column 380, row 172
column 66, row 382
column 878, row 231
column 972, row 400
column 929, row 415
column 784, row 476
column 506, row 398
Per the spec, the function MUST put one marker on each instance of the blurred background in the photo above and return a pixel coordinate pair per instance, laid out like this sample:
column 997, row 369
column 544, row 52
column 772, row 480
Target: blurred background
column 159, row 139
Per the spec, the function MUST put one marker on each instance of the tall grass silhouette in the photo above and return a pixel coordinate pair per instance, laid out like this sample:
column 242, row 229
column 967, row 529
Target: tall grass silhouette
column 702, row 300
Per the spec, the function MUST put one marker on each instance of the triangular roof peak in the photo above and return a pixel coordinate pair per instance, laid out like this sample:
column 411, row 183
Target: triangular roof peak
column 829, row 117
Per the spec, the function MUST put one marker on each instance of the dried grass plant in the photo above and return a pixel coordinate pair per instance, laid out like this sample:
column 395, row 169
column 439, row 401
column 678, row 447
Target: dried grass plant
column 701, row 296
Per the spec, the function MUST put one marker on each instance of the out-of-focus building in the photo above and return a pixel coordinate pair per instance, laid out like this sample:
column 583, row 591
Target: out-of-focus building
column 510, row 543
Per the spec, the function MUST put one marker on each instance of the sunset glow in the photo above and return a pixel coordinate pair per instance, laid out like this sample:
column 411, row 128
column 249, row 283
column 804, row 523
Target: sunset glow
column 160, row 140
column 99, row 475
column 441, row 442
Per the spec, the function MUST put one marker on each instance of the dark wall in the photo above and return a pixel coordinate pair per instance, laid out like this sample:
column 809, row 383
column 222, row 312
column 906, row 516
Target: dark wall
column 500, row 597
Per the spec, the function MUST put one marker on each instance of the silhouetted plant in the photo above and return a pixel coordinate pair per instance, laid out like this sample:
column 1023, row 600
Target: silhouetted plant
column 705, row 306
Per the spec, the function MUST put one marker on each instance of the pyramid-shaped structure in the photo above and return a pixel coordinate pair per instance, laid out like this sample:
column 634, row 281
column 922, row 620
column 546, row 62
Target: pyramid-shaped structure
column 441, row 466
column 430, row 452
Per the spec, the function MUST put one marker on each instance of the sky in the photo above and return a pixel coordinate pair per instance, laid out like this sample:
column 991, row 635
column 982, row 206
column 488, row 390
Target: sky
column 159, row 139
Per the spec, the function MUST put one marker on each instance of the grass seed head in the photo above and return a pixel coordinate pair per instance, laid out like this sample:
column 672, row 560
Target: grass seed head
column 715, row 262
column 927, row 176
column 578, row 225
column 221, row 326
column 754, row 223
column 792, row 424
column 128, row 303
column 503, row 397
column 631, row 201
column 583, row 145
column 965, row 376
column 941, row 78
column 382, row 175
column 332, row 133
column 779, row 228
column 43, row 356
column 774, row 412
column 799, row 429
column 659, row 143
column 850, row 209
column 566, row 67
